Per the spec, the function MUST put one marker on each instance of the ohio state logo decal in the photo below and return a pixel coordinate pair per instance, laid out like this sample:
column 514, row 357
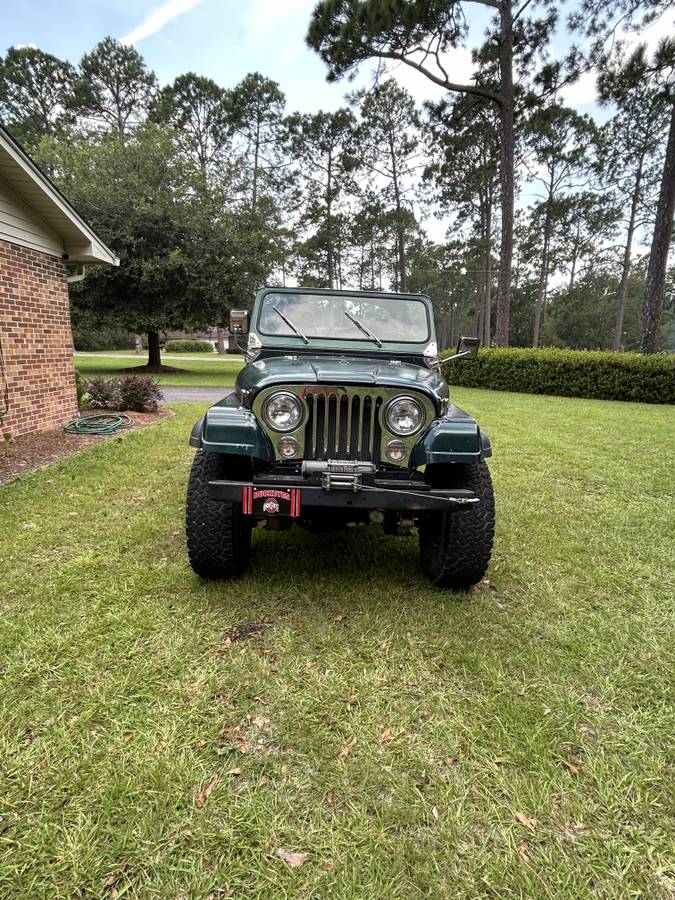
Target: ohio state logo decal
column 269, row 501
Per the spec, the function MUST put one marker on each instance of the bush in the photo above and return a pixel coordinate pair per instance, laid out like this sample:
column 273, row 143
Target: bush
column 80, row 386
column 102, row 339
column 135, row 392
column 103, row 393
column 139, row 392
column 188, row 347
column 599, row 375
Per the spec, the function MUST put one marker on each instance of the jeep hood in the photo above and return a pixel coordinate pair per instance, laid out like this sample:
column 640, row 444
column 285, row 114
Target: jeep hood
column 265, row 373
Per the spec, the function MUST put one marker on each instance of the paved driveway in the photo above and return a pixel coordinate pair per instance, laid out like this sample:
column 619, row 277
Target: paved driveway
column 195, row 394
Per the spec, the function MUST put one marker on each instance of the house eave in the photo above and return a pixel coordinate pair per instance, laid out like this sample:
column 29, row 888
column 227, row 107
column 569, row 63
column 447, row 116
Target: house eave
column 80, row 241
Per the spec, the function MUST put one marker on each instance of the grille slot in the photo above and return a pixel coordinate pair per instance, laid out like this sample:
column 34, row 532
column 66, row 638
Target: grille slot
column 340, row 426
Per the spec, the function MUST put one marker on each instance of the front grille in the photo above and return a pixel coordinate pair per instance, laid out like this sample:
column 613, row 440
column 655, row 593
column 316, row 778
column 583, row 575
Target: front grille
column 340, row 426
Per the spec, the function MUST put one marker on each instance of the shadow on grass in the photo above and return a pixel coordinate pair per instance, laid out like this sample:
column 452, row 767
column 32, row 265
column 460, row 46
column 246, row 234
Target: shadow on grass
column 148, row 370
column 357, row 569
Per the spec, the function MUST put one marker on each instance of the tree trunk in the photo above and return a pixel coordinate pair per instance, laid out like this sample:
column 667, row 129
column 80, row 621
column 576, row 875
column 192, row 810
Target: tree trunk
column 541, row 294
column 480, row 303
column 543, row 271
column 487, row 264
column 446, row 328
column 138, row 344
column 506, row 173
column 220, row 340
column 372, row 260
column 154, row 356
column 329, row 225
column 488, row 294
column 256, row 154
column 575, row 256
column 658, row 256
column 625, row 267
column 402, row 276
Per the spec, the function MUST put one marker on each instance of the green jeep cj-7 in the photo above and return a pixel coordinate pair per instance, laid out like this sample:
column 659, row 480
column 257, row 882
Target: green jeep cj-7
column 341, row 415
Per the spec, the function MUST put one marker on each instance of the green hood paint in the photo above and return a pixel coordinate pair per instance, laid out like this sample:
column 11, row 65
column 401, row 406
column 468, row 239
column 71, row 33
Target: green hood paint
column 340, row 369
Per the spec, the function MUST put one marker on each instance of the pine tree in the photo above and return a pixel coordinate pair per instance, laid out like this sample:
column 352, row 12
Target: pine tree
column 36, row 94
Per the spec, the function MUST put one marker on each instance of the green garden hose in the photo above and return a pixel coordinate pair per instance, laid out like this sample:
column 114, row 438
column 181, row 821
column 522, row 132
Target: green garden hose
column 105, row 424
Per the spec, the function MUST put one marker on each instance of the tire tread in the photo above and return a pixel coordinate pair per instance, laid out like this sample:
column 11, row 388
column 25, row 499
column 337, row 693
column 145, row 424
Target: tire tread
column 467, row 535
column 218, row 542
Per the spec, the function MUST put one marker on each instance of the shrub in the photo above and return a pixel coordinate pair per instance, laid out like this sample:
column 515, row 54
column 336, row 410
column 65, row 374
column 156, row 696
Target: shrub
column 139, row 392
column 599, row 375
column 103, row 393
column 80, row 386
column 188, row 347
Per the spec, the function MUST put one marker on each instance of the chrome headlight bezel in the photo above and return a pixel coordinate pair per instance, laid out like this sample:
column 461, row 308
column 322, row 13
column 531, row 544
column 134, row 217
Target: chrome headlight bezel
column 396, row 444
column 290, row 442
column 286, row 427
column 388, row 414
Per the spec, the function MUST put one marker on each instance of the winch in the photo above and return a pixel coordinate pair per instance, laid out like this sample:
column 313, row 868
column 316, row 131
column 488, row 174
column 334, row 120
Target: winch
column 339, row 474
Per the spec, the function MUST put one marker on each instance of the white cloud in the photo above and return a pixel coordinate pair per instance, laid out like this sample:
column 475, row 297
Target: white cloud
column 158, row 18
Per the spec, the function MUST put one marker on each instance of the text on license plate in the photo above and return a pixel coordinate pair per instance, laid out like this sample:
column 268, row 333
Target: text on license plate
column 270, row 501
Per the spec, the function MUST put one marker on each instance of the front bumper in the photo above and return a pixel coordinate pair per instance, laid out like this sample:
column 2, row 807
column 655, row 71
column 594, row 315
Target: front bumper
column 379, row 494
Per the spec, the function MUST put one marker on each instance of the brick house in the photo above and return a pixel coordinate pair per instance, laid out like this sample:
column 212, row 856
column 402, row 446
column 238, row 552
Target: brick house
column 41, row 238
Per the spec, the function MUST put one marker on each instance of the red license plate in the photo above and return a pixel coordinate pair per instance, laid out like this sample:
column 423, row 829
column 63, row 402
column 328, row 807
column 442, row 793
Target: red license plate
column 260, row 501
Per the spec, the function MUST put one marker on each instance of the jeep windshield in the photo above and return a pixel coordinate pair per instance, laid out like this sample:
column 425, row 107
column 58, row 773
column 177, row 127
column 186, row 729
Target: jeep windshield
column 369, row 319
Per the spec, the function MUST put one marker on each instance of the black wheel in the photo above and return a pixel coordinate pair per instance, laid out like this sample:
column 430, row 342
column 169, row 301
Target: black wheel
column 218, row 536
column 456, row 546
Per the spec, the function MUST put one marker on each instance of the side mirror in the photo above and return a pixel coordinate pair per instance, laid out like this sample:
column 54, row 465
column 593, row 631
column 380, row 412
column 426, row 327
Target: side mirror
column 467, row 348
column 238, row 322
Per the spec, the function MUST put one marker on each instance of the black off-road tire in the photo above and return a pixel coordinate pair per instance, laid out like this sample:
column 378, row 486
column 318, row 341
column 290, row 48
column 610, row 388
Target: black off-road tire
column 456, row 546
column 218, row 535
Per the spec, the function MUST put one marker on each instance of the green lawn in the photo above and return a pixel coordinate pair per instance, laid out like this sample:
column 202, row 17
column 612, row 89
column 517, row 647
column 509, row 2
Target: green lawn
column 216, row 372
column 513, row 742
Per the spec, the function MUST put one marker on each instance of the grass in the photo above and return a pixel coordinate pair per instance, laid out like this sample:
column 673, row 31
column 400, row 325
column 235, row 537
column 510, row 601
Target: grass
column 513, row 742
column 219, row 372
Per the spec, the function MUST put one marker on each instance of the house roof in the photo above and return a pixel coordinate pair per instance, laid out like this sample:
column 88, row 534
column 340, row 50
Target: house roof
column 81, row 244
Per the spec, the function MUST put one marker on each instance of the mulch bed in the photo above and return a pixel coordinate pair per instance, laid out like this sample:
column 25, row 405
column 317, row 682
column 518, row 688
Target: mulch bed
column 29, row 452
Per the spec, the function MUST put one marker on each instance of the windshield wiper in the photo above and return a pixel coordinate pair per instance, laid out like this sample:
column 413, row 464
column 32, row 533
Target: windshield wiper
column 291, row 325
column 364, row 329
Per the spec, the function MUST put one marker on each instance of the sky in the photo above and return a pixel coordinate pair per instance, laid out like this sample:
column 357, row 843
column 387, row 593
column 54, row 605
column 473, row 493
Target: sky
column 226, row 39
column 221, row 39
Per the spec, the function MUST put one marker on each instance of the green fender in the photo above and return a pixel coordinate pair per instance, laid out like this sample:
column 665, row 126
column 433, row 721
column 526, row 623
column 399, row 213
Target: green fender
column 229, row 428
column 456, row 438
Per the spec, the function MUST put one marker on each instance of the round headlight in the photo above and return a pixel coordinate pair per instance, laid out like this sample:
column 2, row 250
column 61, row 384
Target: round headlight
column 282, row 411
column 404, row 416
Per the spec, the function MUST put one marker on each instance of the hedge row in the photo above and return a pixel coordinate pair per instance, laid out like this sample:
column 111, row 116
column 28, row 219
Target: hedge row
column 596, row 375
column 102, row 339
column 178, row 346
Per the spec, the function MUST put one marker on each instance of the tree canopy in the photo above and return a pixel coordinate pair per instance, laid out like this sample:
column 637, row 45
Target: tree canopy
column 526, row 221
